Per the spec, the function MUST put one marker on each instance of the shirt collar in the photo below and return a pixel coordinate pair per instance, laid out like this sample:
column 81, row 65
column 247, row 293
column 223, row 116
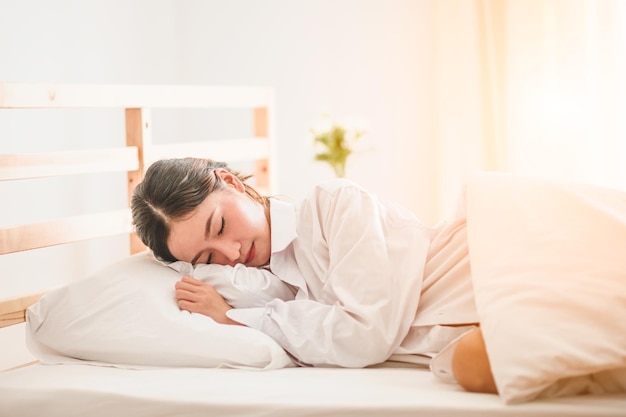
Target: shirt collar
column 283, row 224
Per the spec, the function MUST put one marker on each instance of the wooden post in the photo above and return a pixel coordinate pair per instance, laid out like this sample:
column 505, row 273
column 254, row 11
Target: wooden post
column 138, row 133
column 261, row 130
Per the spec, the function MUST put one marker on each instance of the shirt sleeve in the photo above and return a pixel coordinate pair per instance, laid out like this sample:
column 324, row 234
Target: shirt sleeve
column 441, row 363
column 242, row 286
column 363, row 261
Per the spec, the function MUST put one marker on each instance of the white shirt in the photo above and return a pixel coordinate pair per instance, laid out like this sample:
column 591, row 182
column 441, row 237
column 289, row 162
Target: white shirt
column 371, row 280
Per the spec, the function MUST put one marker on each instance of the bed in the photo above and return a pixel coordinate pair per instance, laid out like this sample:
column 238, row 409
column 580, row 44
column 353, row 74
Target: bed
column 177, row 363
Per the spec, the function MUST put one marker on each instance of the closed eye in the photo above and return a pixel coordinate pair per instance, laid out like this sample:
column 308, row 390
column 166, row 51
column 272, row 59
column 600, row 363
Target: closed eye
column 219, row 233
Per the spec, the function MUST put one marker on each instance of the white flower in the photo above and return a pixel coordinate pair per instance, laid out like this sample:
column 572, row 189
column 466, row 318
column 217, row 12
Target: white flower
column 323, row 126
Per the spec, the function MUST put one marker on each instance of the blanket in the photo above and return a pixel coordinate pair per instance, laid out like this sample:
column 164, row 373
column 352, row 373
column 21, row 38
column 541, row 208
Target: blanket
column 548, row 263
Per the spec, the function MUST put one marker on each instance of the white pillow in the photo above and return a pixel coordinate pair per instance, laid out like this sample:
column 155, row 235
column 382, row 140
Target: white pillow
column 126, row 315
column 549, row 271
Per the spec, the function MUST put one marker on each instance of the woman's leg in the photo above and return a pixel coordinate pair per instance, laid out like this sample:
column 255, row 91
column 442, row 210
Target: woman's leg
column 470, row 364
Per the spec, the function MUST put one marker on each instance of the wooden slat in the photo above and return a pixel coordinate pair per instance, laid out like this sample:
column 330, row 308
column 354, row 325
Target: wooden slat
column 31, row 96
column 139, row 135
column 35, row 165
column 66, row 230
column 230, row 150
column 261, row 128
column 13, row 310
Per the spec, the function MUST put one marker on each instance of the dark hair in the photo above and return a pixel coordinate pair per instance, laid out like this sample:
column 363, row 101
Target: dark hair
column 172, row 189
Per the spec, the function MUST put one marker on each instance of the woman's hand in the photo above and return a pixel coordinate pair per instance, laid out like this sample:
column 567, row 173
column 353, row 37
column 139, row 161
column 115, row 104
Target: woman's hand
column 198, row 297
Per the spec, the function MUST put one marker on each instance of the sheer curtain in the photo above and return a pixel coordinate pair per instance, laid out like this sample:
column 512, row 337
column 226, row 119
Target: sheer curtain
column 536, row 87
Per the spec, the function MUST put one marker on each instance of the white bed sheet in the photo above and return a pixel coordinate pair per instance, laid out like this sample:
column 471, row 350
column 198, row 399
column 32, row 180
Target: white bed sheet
column 390, row 390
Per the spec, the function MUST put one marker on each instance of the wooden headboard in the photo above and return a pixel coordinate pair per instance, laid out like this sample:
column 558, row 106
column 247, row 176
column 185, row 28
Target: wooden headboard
column 135, row 103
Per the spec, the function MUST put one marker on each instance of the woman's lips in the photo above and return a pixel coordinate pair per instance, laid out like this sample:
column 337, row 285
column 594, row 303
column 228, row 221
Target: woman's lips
column 250, row 255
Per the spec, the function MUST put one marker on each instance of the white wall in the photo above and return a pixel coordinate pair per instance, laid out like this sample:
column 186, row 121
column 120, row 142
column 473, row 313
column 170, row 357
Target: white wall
column 369, row 58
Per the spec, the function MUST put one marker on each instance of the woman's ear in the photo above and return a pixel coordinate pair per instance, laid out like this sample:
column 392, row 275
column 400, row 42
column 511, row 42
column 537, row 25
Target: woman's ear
column 230, row 179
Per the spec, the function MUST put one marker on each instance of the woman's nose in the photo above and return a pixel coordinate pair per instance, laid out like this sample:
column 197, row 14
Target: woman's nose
column 226, row 253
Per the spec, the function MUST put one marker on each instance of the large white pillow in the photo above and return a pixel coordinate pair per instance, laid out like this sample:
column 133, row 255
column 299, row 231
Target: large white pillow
column 126, row 315
column 549, row 271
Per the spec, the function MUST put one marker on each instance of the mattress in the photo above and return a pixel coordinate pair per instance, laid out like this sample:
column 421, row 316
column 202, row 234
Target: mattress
column 387, row 390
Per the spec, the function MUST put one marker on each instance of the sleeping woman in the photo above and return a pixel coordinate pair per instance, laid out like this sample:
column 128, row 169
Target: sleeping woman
column 370, row 281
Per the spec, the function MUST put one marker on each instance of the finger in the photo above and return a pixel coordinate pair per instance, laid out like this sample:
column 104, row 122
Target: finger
column 190, row 280
column 194, row 285
column 187, row 306
column 186, row 295
column 180, row 285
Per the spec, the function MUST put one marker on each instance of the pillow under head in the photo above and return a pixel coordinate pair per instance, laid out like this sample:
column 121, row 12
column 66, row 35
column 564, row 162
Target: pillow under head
column 126, row 315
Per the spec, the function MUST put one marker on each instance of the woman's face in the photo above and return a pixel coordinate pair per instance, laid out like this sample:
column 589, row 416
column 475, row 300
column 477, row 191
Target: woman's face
column 228, row 228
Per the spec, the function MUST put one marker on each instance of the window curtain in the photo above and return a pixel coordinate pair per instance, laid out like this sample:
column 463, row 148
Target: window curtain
column 535, row 87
